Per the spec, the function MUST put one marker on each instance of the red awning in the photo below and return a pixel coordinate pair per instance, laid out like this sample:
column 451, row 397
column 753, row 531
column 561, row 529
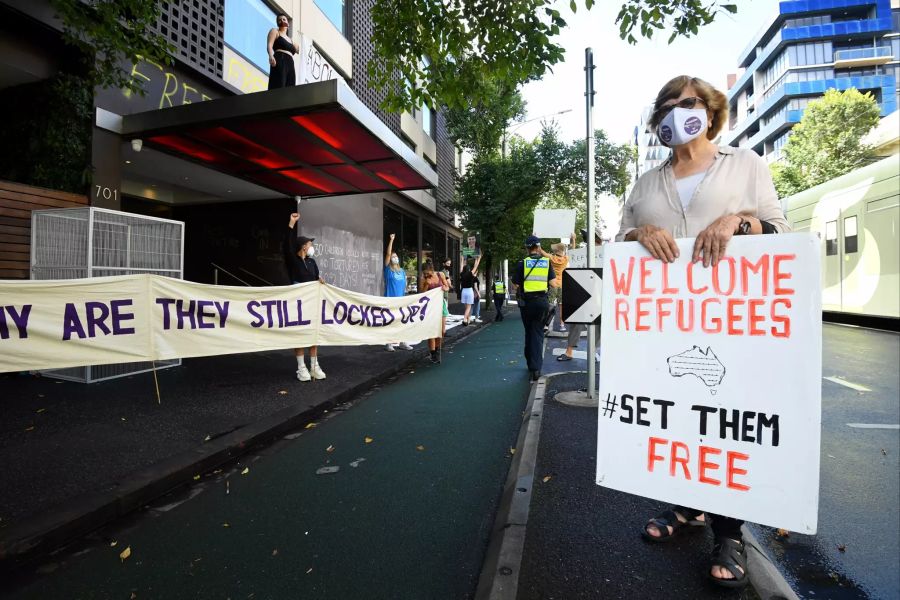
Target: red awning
column 310, row 140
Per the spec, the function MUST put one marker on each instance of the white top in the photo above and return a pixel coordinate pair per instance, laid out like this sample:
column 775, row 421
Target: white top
column 687, row 186
column 738, row 181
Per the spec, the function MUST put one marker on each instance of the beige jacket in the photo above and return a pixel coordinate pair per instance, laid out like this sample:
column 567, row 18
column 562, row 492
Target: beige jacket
column 737, row 182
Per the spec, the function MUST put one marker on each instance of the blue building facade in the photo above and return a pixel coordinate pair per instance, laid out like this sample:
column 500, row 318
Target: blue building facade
column 809, row 47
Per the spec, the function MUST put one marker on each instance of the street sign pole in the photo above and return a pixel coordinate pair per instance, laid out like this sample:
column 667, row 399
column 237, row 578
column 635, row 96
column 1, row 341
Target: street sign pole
column 589, row 113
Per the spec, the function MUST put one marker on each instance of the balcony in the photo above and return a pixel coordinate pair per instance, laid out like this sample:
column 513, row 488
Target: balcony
column 862, row 57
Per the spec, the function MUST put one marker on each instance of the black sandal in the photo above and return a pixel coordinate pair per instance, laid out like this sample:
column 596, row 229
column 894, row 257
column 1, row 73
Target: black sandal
column 563, row 357
column 732, row 555
column 663, row 521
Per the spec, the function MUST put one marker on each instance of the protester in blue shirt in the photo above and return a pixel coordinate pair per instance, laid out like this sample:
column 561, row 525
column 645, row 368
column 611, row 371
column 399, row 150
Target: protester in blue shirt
column 394, row 282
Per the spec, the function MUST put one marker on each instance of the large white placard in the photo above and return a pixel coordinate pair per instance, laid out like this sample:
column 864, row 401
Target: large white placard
column 710, row 379
column 554, row 223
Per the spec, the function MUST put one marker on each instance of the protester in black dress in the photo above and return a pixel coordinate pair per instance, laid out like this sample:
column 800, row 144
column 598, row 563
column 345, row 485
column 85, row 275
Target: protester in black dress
column 281, row 55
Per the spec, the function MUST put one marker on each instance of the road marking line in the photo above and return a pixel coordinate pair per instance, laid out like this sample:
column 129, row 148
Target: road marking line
column 873, row 426
column 849, row 384
column 579, row 354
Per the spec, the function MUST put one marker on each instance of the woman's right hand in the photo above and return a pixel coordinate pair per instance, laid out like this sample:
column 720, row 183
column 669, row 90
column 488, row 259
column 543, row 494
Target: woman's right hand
column 271, row 61
column 658, row 242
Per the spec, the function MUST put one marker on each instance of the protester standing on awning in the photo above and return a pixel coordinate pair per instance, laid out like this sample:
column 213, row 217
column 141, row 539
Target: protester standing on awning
column 281, row 49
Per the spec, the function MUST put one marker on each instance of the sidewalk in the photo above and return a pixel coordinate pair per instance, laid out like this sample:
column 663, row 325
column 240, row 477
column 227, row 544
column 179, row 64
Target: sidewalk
column 75, row 456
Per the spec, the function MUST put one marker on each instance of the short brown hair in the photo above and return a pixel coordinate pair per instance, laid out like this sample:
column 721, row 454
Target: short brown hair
column 716, row 102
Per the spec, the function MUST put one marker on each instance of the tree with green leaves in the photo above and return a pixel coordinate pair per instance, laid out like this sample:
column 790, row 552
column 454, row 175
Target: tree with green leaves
column 480, row 125
column 568, row 165
column 474, row 44
column 827, row 142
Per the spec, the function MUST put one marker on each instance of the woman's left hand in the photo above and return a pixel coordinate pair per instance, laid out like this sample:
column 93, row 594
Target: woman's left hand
column 711, row 242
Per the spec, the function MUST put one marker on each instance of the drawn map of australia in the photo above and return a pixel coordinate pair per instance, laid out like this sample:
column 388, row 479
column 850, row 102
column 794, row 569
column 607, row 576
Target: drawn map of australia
column 702, row 364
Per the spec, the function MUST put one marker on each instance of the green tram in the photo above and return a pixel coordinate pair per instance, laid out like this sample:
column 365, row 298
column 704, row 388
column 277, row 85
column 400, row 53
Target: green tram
column 857, row 217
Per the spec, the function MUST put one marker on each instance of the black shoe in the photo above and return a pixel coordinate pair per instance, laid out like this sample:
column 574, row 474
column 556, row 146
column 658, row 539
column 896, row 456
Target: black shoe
column 435, row 357
column 535, row 375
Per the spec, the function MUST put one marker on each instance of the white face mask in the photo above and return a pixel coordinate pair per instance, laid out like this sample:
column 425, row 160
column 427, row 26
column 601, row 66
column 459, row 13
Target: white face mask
column 310, row 251
column 682, row 125
column 395, row 260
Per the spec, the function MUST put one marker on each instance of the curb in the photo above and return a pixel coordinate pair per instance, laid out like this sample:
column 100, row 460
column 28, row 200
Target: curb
column 38, row 536
column 499, row 579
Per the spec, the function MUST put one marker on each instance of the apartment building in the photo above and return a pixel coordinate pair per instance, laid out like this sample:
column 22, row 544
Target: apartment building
column 209, row 145
column 810, row 46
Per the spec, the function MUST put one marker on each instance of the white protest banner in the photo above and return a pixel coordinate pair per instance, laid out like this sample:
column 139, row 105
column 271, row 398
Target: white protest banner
column 710, row 379
column 554, row 223
column 130, row 318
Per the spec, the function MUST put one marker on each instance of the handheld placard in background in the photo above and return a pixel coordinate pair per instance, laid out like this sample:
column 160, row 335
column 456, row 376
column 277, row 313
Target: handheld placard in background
column 554, row 223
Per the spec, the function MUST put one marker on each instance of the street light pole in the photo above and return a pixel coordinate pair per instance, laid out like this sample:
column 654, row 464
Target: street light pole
column 589, row 114
column 506, row 129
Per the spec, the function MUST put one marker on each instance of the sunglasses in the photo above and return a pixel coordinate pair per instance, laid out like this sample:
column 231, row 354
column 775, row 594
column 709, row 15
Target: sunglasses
column 687, row 103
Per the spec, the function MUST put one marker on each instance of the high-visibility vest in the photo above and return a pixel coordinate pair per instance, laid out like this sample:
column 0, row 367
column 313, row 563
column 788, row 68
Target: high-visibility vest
column 499, row 287
column 536, row 272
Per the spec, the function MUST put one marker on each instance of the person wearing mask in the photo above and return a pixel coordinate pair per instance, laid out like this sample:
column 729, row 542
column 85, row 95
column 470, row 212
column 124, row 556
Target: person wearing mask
column 531, row 280
column 711, row 193
column 394, row 282
column 433, row 279
column 466, row 286
column 499, row 298
column 302, row 268
column 560, row 260
column 281, row 49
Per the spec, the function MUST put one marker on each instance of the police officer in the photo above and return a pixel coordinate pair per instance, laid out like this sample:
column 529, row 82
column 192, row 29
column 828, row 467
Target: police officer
column 531, row 280
column 499, row 297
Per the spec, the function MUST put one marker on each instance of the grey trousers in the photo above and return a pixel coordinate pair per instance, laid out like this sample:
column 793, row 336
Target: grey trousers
column 575, row 334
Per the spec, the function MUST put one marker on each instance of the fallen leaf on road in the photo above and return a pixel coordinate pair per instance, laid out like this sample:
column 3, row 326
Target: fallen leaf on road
column 356, row 462
column 548, row 478
column 125, row 554
column 309, row 571
column 329, row 449
column 512, row 450
column 29, row 428
column 282, row 392
column 842, row 548
column 327, row 470
column 420, row 448
column 783, row 533
column 207, row 438
column 227, row 487
column 309, row 426
column 883, row 452
column 40, row 410
column 113, row 543
column 369, row 440
column 123, row 418
column 196, row 477
column 245, row 471
column 226, row 525
column 275, row 552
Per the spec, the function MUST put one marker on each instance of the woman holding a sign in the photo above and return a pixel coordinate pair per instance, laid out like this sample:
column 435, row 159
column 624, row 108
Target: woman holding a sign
column 302, row 268
column 435, row 279
column 394, row 282
column 712, row 193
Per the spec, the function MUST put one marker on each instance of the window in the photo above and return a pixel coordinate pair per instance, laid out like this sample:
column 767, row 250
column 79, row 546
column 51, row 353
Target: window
column 831, row 247
column 336, row 11
column 247, row 23
column 428, row 115
column 850, row 238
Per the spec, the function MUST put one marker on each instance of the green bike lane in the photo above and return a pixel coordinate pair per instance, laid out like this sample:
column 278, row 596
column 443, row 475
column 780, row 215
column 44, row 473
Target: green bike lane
column 411, row 519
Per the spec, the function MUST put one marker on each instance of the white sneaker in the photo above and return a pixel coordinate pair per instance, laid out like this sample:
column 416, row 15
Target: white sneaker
column 405, row 346
column 478, row 319
column 317, row 372
column 303, row 374
column 389, row 347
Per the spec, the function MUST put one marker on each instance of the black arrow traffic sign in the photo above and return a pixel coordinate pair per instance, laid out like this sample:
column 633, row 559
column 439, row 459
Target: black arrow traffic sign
column 582, row 295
